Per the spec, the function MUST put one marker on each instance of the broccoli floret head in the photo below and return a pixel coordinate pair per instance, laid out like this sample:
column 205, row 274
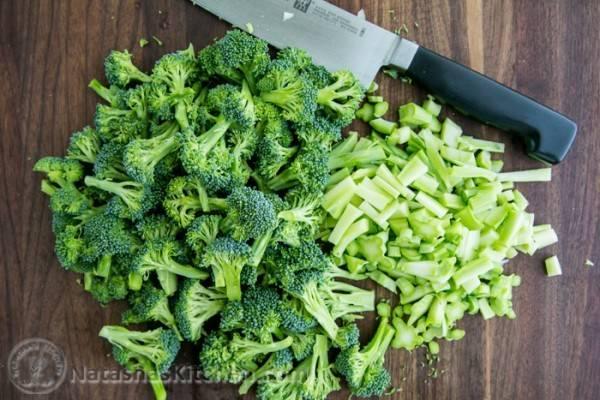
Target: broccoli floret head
column 261, row 312
column 285, row 262
column 284, row 87
column 150, row 304
column 214, row 169
column 106, row 234
column 227, row 257
column 84, row 146
column 120, row 70
column 118, row 125
column 308, row 170
column 343, row 96
column 202, row 232
column 363, row 369
column 156, row 227
column 69, row 200
column 250, row 214
column 109, row 162
column 303, row 344
column 141, row 156
column 185, row 197
column 160, row 345
column 60, row 171
column 105, row 290
column 294, row 318
column 196, row 304
column 236, row 57
column 230, row 359
column 232, row 316
column 348, row 336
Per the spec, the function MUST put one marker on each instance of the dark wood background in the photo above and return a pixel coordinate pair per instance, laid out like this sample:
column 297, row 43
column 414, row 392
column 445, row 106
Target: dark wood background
column 49, row 51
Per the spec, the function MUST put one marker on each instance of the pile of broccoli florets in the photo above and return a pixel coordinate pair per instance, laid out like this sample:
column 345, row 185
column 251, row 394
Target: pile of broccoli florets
column 196, row 196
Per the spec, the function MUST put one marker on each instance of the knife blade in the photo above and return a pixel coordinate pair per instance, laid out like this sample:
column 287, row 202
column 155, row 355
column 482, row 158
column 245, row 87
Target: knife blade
column 338, row 39
column 334, row 37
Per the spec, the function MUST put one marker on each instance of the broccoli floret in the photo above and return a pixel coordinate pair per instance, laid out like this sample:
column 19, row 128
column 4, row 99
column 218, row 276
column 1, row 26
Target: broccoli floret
column 84, row 146
column 135, row 198
column 296, row 58
column 250, row 214
column 232, row 316
column 202, row 232
column 299, row 271
column 295, row 318
column 113, row 95
column 120, row 70
column 320, row 380
column 161, row 256
column 150, row 304
column 60, row 171
column 348, row 336
column 308, row 170
column 195, row 305
column 312, row 379
column 142, row 155
column 225, row 359
column 62, row 174
column 261, row 312
column 321, row 130
column 133, row 362
column 156, row 227
column 118, row 125
column 185, row 197
column 160, row 103
column 206, row 156
column 343, row 96
column 69, row 200
column 284, row 87
column 302, row 346
column 160, row 345
column 177, row 71
column 300, row 217
column 275, row 144
column 276, row 366
column 106, row 234
column 363, row 369
column 105, row 290
column 109, row 162
column 236, row 57
column 227, row 257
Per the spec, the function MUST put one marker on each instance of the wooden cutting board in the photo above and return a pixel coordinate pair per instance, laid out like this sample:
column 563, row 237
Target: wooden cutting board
column 50, row 50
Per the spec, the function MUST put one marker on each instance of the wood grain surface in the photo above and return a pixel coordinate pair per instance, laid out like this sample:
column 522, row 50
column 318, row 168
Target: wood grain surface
column 50, row 50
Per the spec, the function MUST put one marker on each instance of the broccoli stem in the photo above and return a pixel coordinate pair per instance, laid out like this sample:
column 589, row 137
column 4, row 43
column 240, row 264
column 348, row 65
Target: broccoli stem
column 179, row 269
column 315, row 305
column 211, row 137
column 231, row 275
column 130, row 192
column 380, row 342
column 135, row 281
column 103, row 92
column 259, row 247
column 157, row 384
column 284, row 180
column 168, row 281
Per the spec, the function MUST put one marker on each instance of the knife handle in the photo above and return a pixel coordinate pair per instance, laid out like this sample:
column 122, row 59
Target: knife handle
column 548, row 134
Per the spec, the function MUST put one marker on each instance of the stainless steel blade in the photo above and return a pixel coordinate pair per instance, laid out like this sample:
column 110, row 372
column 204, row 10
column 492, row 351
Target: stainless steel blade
column 334, row 37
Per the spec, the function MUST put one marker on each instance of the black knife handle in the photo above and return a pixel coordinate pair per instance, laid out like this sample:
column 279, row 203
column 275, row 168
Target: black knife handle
column 548, row 134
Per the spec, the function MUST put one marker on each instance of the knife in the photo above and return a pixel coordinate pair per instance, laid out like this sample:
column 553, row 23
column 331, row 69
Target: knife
column 338, row 39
